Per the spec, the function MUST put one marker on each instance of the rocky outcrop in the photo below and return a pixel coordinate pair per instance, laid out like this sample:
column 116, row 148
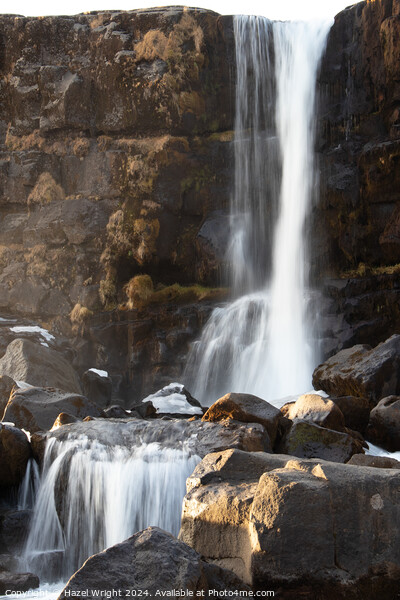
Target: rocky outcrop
column 38, row 365
column 97, row 387
column 15, row 452
column 247, row 409
column 362, row 371
column 197, row 437
column 246, row 512
column 308, row 440
column 36, row 409
column 154, row 562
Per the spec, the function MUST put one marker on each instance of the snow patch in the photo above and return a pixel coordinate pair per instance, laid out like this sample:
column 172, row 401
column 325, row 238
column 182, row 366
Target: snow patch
column 99, row 372
column 23, row 385
column 33, row 329
column 170, row 400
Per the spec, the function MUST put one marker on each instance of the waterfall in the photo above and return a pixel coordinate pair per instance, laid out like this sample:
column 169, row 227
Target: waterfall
column 93, row 496
column 262, row 342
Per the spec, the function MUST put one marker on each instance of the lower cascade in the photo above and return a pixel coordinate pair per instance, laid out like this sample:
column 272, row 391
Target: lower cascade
column 92, row 496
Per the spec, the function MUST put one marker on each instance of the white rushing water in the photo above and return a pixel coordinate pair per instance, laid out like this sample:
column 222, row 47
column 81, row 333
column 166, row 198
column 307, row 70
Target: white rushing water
column 92, row 497
column 263, row 342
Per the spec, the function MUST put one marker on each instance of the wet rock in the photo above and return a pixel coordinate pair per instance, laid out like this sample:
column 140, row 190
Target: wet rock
column 384, row 424
column 97, row 388
column 379, row 462
column 355, row 411
column 36, row 409
column 307, row 440
column 362, row 371
column 6, row 386
column 152, row 561
column 17, row 582
column 247, row 409
column 315, row 409
column 15, row 452
column 242, row 511
column 198, row 437
column 38, row 366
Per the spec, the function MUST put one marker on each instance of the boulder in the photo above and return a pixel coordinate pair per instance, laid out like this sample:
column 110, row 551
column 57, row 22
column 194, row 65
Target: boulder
column 17, row 582
column 175, row 400
column 36, row 409
column 379, row 462
column 384, row 424
column 247, row 409
column 64, row 419
column 39, row 366
column 252, row 514
column 151, row 561
column 355, row 411
column 15, row 452
column 97, row 387
column 6, row 386
column 307, row 440
column 116, row 412
column 315, row 409
column 362, row 371
column 144, row 410
column 198, row 438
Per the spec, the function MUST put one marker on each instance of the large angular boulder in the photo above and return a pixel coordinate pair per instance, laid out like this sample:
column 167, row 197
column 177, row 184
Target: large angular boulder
column 363, row 371
column 315, row 409
column 38, row 365
column 384, row 424
column 297, row 525
column 307, row 440
column 247, row 409
column 36, row 409
column 152, row 561
column 15, row 452
column 97, row 387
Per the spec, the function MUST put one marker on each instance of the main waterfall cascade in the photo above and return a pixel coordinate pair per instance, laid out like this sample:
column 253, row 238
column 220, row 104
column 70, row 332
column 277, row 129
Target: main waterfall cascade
column 263, row 342
column 93, row 496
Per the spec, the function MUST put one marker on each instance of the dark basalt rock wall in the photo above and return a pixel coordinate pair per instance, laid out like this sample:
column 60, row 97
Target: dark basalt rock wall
column 356, row 225
column 115, row 133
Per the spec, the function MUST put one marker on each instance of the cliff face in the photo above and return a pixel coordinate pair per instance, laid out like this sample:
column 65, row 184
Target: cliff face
column 356, row 225
column 359, row 137
column 116, row 159
column 114, row 142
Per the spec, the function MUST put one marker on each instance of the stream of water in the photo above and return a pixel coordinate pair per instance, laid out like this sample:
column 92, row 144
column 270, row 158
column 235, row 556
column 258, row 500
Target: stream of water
column 263, row 342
